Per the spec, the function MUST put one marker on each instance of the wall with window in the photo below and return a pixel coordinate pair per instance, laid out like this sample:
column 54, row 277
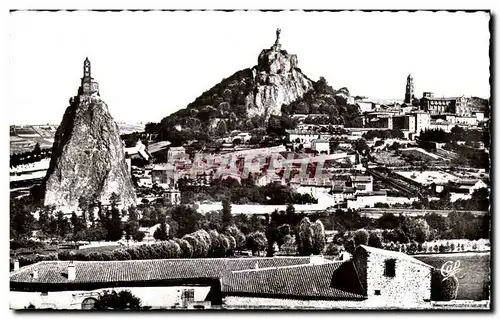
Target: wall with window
column 396, row 280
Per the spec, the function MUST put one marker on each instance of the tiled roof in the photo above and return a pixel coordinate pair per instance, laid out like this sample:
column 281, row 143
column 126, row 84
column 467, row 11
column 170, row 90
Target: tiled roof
column 307, row 281
column 144, row 270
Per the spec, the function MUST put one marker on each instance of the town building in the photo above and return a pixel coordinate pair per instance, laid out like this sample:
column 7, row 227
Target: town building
column 302, row 137
column 362, row 183
column 175, row 153
column 366, row 199
column 164, row 174
column 172, row 196
column 321, row 146
column 439, row 105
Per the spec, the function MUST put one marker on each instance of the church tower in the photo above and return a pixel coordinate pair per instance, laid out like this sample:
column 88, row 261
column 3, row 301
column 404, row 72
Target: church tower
column 88, row 86
column 410, row 93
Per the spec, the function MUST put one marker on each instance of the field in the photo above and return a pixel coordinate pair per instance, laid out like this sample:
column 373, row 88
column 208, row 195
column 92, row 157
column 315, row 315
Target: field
column 473, row 275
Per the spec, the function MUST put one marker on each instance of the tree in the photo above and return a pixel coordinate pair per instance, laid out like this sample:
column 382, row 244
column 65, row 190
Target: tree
column 37, row 151
column 161, row 233
column 76, row 223
column 375, row 240
column 349, row 246
column 138, row 236
column 121, row 300
column 319, row 239
column 256, row 242
column 227, row 218
column 310, row 237
column 151, row 128
column 114, row 224
column 360, row 237
column 21, row 220
column 63, row 226
column 187, row 218
column 417, row 229
column 238, row 236
column 388, row 221
column 332, row 249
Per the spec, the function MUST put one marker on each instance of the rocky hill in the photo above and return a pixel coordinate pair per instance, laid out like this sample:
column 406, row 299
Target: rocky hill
column 248, row 98
column 88, row 159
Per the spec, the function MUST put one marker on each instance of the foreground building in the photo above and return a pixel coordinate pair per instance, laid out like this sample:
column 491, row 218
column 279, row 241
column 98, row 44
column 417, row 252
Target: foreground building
column 372, row 278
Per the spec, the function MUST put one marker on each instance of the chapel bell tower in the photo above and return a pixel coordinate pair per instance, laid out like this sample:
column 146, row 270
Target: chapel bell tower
column 88, row 86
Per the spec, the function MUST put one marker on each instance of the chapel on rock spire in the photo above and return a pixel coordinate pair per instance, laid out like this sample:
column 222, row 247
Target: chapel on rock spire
column 88, row 85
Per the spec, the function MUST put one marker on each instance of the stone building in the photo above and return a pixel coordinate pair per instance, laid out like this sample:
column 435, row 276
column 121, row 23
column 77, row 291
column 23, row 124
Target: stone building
column 88, row 85
column 439, row 105
column 390, row 277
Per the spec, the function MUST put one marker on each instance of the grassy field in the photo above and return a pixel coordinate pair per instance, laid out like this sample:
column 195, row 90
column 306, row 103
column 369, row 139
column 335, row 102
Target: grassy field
column 473, row 275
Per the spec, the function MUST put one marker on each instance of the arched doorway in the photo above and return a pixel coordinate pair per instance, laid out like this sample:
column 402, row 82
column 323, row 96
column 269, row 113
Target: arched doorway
column 88, row 303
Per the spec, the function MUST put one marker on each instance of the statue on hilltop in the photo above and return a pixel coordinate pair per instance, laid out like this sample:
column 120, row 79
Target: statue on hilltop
column 278, row 32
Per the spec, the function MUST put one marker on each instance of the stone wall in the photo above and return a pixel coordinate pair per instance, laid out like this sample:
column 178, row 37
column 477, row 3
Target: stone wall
column 410, row 285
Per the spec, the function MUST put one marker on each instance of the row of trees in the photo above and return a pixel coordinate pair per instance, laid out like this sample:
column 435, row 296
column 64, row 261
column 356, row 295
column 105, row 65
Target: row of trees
column 29, row 157
column 383, row 134
column 457, row 134
column 245, row 192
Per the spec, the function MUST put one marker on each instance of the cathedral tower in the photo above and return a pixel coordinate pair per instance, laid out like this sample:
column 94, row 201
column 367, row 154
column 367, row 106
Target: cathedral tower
column 410, row 93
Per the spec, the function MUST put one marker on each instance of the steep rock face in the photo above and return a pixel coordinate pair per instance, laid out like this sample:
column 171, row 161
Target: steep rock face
column 88, row 158
column 278, row 81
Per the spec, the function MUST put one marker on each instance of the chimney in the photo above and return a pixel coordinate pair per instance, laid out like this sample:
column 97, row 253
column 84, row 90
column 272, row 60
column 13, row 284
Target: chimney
column 71, row 271
column 316, row 260
column 16, row 264
column 35, row 274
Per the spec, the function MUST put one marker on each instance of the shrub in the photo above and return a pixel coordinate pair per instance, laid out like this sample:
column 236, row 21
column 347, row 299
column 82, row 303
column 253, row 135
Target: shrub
column 332, row 249
column 349, row 246
column 443, row 289
column 374, row 240
column 121, row 300
column 360, row 237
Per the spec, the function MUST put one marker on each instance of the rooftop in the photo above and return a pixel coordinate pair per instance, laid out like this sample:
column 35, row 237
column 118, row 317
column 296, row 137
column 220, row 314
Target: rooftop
column 126, row 271
column 361, row 178
column 332, row 280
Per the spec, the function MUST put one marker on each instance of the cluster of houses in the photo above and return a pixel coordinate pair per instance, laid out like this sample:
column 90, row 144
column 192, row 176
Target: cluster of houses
column 429, row 112
column 370, row 278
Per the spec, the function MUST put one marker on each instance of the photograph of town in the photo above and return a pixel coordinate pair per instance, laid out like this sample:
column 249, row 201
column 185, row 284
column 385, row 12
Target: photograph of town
column 249, row 160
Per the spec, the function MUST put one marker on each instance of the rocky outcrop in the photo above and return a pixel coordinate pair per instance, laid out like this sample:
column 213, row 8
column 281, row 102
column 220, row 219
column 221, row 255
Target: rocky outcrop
column 278, row 81
column 88, row 158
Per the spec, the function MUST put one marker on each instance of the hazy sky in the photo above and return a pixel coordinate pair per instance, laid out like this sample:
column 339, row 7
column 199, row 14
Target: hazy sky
column 150, row 64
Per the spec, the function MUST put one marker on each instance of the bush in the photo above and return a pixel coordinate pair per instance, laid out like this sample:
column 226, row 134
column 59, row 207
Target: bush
column 122, row 300
column 443, row 288
column 375, row 240
column 332, row 249
column 26, row 243
column 360, row 237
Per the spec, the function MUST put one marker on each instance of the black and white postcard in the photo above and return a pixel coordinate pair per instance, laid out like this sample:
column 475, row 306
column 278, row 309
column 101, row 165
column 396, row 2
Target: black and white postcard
column 249, row 160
